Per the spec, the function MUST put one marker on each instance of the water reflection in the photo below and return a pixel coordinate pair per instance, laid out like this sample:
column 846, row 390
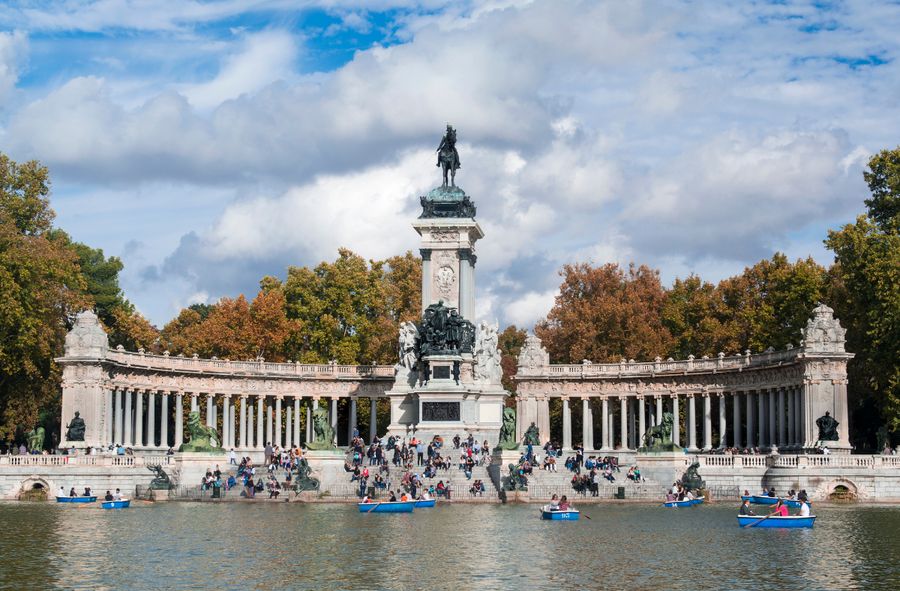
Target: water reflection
column 264, row 546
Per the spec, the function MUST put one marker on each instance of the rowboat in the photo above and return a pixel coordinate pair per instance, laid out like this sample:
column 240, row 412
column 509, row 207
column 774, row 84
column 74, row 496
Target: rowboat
column 76, row 499
column 120, row 504
column 697, row 501
column 423, row 503
column 764, row 500
column 558, row 515
column 690, row 503
column 792, row 521
column 387, row 507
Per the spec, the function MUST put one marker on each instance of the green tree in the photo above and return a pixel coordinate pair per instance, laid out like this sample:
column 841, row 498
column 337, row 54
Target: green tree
column 696, row 316
column 510, row 343
column 867, row 271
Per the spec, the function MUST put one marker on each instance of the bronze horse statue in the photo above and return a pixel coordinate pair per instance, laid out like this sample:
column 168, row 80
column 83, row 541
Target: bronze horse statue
column 448, row 157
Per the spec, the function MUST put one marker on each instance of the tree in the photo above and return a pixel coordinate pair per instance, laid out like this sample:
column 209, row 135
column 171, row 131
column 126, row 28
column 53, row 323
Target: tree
column 604, row 314
column 697, row 317
column 41, row 288
column 510, row 342
column 867, row 272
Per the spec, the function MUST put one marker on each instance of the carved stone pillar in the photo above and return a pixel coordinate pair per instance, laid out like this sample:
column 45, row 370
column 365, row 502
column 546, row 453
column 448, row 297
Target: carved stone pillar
column 373, row 419
column 692, row 423
column 782, row 419
column 587, row 428
column 278, row 440
column 243, row 433
column 270, row 422
column 773, row 412
column 179, row 420
column 139, row 418
column 567, row 424
column 129, row 420
column 108, row 420
column 707, row 421
column 260, row 421
column 297, row 421
column 723, row 427
column 736, row 419
column 642, row 426
column 659, row 410
column 164, row 421
column 151, row 418
column 288, row 426
column 351, row 424
column 310, row 433
column 676, row 426
column 751, row 428
column 334, row 417
column 210, row 405
column 604, row 421
column 623, row 420
column 195, row 402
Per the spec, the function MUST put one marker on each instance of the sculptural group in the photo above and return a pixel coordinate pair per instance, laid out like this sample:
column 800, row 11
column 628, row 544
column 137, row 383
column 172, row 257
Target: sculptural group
column 323, row 431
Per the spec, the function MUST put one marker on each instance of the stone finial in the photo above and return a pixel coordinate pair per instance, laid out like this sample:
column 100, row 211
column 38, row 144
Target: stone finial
column 533, row 355
column 87, row 338
column 823, row 332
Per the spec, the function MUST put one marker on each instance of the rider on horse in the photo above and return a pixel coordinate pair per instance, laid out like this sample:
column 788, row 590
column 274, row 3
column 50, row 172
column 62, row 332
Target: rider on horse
column 447, row 154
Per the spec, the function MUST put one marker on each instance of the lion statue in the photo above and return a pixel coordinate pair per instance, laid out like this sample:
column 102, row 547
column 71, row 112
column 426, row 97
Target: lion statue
column 659, row 437
column 508, row 430
column 202, row 438
column 322, row 431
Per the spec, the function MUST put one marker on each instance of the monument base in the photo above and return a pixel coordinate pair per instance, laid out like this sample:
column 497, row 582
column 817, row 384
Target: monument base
column 664, row 467
column 192, row 467
column 328, row 468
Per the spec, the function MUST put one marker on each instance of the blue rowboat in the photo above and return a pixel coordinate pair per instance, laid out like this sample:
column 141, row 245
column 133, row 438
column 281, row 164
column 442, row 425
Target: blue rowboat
column 421, row 504
column 764, row 500
column 76, row 499
column 679, row 503
column 120, row 504
column 387, row 507
column 557, row 515
column 792, row 521
column 696, row 501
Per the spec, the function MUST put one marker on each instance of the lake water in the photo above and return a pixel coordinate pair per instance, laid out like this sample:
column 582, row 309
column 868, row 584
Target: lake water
column 318, row 546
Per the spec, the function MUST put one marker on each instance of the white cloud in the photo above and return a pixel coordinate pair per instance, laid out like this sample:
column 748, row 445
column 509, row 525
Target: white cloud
column 13, row 47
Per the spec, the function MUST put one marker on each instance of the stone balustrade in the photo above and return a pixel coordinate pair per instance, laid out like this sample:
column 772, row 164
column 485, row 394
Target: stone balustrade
column 800, row 461
column 86, row 460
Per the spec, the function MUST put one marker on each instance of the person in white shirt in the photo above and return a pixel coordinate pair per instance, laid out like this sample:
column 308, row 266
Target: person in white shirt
column 804, row 510
column 118, row 495
column 62, row 492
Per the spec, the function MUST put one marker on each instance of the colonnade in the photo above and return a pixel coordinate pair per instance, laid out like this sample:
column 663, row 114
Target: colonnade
column 141, row 418
column 766, row 418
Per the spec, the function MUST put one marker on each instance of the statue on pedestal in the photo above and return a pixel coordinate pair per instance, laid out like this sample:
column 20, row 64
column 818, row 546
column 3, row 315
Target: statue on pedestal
column 161, row 481
column 508, row 430
column 532, row 435
column 201, row 437
column 75, row 429
column 659, row 437
column 827, row 427
column 303, row 481
column 324, row 433
column 691, row 478
column 448, row 157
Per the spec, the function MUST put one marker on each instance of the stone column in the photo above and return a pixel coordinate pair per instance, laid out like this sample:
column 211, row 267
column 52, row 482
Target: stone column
column 195, row 402
column 139, row 418
column 334, row 417
column 567, row 424
column 151, row 418
column 373, row 419
column 642, row 426
column 120, row 416
column 723, row 427
column 129, row 419
column 288, row 426
column 251, row 443
column 179, row 420
column 751, row 428
column 605, row 438
column 798, row 416
column 736, row 418
column 352, row 423
column 676, row 427
column 791, row 421
column 707, row 421
column 782, row 419
column 426, row 277
column 278, row 440
column 260, row 419
column 297, row 421
column 270, row 421
column 659, row 410
column 242, row 436
column 108, row 420
column 692, row 423
column 232, row 423
column 464, row 285
column 309, row 412
column 772, row 433
column 761, row 407
column 623, row 418
column 164, row 421
column 543, row 417
column 587, row 437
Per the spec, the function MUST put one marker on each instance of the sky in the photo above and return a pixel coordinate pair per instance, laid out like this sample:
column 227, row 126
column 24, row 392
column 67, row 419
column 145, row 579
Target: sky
column 208, row 144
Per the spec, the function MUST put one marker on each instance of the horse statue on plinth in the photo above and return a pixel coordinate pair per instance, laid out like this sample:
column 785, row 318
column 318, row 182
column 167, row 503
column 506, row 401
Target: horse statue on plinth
column 448, row 157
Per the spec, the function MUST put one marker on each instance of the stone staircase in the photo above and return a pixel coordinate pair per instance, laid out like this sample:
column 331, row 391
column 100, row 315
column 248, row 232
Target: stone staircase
column 544, row 484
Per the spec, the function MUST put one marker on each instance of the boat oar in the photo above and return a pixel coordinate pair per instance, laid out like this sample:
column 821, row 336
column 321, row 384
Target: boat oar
column 586, row 516
column 759, row 521
column 373, row 507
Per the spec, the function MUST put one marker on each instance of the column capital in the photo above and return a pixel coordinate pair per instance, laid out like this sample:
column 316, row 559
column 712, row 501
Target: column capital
column 279, row 397
column 244, row 396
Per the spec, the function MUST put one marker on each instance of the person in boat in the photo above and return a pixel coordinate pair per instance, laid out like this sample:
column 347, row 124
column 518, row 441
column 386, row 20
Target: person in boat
column 781, row 510
column 688, row 496
column 804, row 509
column 108, row 496
column 803, row 496
column 564, row 503
column 62, row 492
column 426, row 496
column 792, row 495
column 403, row 497
column 554, row 503
column 745, row 508
column 118, row 495
column 72, row 492
column 366, row 499
column 87, row 491
column 393, row 498
column 771, row 492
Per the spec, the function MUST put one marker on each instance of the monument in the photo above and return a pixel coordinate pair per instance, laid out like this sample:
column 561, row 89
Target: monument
column 448, row 377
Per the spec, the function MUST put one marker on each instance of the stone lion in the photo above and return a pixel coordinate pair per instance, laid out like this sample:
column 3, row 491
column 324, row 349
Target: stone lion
column 202, row 438
column 659, row 437
column 324, row 433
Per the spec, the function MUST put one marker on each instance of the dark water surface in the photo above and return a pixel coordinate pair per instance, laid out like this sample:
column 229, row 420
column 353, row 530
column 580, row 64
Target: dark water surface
column 293, row 546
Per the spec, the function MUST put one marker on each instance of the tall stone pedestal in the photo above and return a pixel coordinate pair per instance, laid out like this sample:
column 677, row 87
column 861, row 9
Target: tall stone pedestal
column 663, row 467
column 192, row 467
column 328, row 468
